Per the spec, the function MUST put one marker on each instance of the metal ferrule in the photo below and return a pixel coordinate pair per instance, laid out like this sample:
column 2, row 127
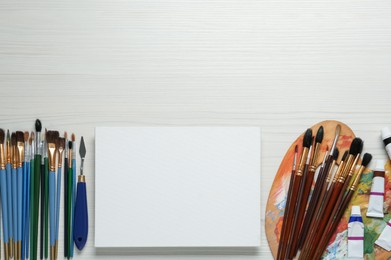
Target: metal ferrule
column 357, row 178
column 26, row 152
column 9, row 151
column 337, row 132
column 81, row 178
column 302, row 162
column 70, row 158
column 315, row 157
column 73, row 150
column 353, row 167
column 66, row 148
column 14, row 156
column 330, row 173
column 309, row 156
column 346, row 169
column 44, row 151
column 60, row 153
column 38, row 141
column 32, row 149
column 294, row 162
column 20, row 154
column 52, row 156
column 339, row 170
column 2, row 157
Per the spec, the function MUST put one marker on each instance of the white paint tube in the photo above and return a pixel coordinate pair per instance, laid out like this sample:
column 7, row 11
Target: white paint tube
column 384, row 239
column 386, row 136
column 376, row 198
column 356, row 234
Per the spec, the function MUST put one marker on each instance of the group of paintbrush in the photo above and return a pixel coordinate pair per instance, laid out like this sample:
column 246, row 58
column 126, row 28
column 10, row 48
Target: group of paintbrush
column 310, row 221
column 31, row 167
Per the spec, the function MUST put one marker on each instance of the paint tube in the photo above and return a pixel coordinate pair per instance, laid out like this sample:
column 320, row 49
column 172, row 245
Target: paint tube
column 384, row 239
column 356, row 234
column 376, row 198
column 386, row 136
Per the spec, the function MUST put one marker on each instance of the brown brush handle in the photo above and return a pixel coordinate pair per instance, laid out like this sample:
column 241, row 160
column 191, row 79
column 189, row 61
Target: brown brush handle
column 283, row 236
column 333, row 224
column 292, row 205
column 336, row 196
column 300, row 210
column 314, row 200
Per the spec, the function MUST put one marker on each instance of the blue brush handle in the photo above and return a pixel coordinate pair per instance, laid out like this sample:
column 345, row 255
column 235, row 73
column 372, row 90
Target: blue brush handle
column 20, row 201
column 14, row 204
column 58, row 202
column 4, row 202
column 27, row 223
column 80, row 232
column 24, row 204
column 52, row 209
column 73, row 206
column 9, row 198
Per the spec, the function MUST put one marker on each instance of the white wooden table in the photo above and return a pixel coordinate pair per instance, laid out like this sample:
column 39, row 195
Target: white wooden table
column 282, row 65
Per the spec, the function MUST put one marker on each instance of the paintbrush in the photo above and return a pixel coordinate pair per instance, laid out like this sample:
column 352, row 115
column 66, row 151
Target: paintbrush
column 35, row 187
column 283, row 236
column 27, row 152
column 52, row 149
column 44, row 194
column 46, row 200
column 60, row 148
column 30, row 163
column 4, row 198
column 301, row 201
column 310, row 177
column 340, row 208
column 340, row 186
column 297, row 186
column 9, row 194
column 69, row 195
column 81, row 209
column 14, row 192
column 73, row 193
column 66, row 167
column 19, row 188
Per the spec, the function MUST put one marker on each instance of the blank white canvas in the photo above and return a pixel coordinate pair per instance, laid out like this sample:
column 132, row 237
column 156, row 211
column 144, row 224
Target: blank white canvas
column 177, row 187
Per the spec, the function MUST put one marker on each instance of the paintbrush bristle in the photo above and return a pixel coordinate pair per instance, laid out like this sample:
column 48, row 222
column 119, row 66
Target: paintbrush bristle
column 61, row 143
column 26, row 136
column 356, row 146
column 73, row 137
column 19, row 136
column 70, row 145
column 8, row 135
column 319, row 135
column 2, row 135
column 366, row 159
column 13, row 139
column 307, row 138
column 65, row 135
column 31, row 140
column 50, row 137
column 344, row 156
column 38, row 125
column 56, row 135
column 336, row 154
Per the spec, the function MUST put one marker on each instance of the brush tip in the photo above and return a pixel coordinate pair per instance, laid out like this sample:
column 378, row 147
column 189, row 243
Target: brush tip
column 319, row 135
column 65, row 135
column 307, row 138
column 38, row 125
column 366, row 159
column 73, row 137
column 26, row 136
column 19, row 136
column 336, row 154
column 356, row 146
column 345, row 155
column 2, row 135
column 13, row 138
column 70, row 144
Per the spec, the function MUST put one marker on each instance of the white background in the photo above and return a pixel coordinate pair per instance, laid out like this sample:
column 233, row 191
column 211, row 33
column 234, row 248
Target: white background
column 279, row 64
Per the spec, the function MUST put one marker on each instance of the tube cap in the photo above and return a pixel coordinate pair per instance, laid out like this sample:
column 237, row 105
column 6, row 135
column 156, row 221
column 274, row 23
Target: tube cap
column 356, row 210
column 385, row 133
column 379, row 165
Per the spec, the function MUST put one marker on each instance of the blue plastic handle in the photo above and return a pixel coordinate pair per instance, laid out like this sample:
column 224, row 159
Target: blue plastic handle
column 14, row 205
column 52, row 207
column 9, row 200
column 80, row 232
column 4, row 202
column 20, row 201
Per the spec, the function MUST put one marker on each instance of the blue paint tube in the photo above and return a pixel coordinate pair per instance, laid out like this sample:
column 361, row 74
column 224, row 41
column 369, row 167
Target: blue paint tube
column 356, row 234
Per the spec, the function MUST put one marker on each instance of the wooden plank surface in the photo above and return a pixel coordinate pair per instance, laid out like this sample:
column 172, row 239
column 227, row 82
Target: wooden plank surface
column 282, row 65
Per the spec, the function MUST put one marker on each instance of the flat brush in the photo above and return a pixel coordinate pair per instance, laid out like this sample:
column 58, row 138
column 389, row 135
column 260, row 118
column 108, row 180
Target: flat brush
column 19, row 188
column 340, row 208
column 297, row 186
column 4, row 198
column 339, row 188
column 27, row 152
column 30, row 163
column 9, row 195
column 301, row 202
column 283, row 234
column 14, row 192
column 52, row 149
column 61, row 146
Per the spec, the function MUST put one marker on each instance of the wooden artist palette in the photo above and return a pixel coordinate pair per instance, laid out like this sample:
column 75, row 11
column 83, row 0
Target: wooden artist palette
column 337, row 248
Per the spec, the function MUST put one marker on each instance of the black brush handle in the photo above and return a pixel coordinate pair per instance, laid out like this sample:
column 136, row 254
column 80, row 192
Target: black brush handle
column 66, row 233
column 42, row 209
